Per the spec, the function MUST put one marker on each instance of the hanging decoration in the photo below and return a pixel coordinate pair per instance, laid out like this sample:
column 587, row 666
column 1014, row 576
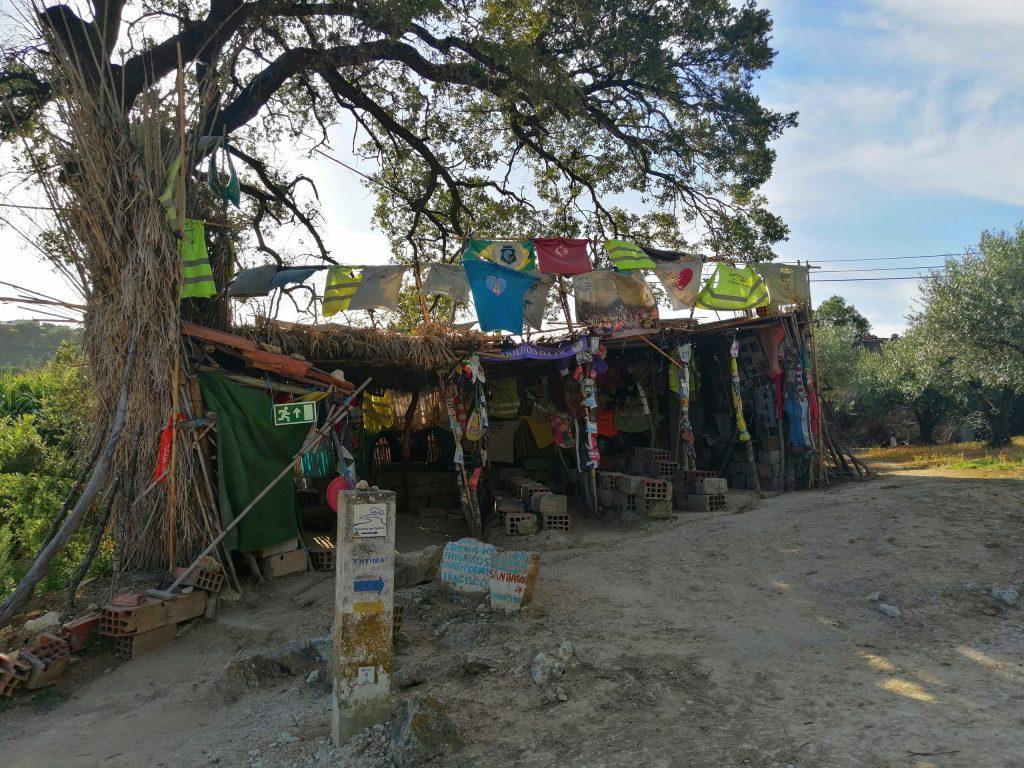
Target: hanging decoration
column 379, row 287
column 535, row 301
column 251, row 283
column 625, row 255
column 686, row 438
column 613, row 303
column 681, row 281
column 786, row 283
column 196, row 275
column 342, row 284
column 737, row 399
column 733, row 288
column 513, row 254
column 498, row 294
column 447, row 280
column 562, row 256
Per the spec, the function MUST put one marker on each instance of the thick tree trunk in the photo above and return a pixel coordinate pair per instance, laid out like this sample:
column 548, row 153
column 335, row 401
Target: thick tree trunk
column 926, row 423
column 1001, row 420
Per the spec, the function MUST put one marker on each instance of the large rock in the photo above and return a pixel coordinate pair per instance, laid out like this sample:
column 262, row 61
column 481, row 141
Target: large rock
column 466, row 565
column 1008, row 595
column 550, row 666
column 422, row 731
column 419, row 567
column 44, row 623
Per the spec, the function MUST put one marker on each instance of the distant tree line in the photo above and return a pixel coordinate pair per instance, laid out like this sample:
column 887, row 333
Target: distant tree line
column 961, row 359
column 28, row 345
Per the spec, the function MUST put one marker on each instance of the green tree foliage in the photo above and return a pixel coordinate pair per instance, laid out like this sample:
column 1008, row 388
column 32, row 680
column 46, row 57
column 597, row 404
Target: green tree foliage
column 28, row 344
column 477, row 118
column 972, row 319
column 43, row 418
column 835, row 311
column 844, row 374
column 908, row 373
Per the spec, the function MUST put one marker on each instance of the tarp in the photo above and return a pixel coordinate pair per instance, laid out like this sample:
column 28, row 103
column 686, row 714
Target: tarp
column 251, row 451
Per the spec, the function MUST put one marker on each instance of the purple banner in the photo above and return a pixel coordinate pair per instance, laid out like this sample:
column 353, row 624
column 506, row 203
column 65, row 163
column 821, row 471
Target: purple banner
column 527, row 351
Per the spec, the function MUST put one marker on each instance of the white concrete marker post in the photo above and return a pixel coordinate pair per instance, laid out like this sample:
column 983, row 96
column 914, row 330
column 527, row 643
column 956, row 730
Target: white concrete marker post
column 364, row 605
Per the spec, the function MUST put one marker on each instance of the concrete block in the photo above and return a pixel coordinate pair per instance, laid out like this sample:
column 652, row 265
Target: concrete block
column 555, row 521
column 512, row 579
column 654, row 509
column 465, row 564
column 549, row 503
column 284, row 565
column 520, row 523
column 290, row 545
column 711, row 485
column 631, row 484
column 504, row 504
column 186, row 607
column 128, row 648
column 696, row 502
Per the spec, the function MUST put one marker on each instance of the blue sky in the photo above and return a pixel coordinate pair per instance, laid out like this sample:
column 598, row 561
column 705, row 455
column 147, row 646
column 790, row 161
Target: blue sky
column 909, row 144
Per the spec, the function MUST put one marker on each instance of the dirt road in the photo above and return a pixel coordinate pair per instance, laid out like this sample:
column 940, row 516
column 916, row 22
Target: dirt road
column 745, row 639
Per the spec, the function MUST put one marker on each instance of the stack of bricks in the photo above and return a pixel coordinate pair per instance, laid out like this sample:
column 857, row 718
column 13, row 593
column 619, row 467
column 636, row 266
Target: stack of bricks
column 769, row 468
column 531, row 505
column 699, row 491
column 283, row 559
column 653, row 462
column 321, row 550
column 139, row 623
column 418, row 488
column 647, row 496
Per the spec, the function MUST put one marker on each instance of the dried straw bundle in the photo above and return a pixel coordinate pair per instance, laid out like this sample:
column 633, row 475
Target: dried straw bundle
column 116, row 238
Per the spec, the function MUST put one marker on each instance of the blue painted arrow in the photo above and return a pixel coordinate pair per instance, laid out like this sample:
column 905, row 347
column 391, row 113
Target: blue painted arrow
column 369, row 585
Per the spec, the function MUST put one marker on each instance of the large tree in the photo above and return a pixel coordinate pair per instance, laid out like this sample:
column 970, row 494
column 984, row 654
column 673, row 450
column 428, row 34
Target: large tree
column 973, row 317
column 480, row 118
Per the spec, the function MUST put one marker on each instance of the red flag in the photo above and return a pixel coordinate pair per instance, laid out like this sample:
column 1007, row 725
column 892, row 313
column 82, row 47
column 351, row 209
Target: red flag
column 562, row 256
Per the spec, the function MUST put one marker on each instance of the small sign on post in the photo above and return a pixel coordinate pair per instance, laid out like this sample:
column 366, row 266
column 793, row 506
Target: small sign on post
column 286, row 414
column 361, row 662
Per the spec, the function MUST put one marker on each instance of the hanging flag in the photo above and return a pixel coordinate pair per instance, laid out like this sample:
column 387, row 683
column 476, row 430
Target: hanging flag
column 448, row 280
column 562, row 256
column 196, row 275
column 342, row 283
column 787, row 284
column 514, row 254
column 625, row 255
column 286, row 277
column 379, row 288
column 499, row 294
column 663, row 254
column 681, row 281
column 733, row 288
column 536, row 301
column 612, row 302
column 252, row 282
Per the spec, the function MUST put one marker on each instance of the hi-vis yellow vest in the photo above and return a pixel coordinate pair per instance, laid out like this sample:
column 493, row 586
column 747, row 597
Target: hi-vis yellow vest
column 342, row 283
column 625, row 255
column 196, row 275
column 733, row 288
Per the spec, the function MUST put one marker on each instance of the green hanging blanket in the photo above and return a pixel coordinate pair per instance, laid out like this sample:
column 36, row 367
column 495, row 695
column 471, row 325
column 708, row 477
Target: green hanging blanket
column 251, row 451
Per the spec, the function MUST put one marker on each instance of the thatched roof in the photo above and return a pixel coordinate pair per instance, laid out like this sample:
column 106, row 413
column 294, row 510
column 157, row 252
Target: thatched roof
column 395, row 359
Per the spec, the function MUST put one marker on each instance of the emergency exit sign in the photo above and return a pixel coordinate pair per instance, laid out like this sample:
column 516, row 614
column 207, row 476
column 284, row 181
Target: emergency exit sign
column 294, row 413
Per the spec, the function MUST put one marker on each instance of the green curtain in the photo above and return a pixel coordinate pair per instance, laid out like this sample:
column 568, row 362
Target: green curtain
column 251, row 451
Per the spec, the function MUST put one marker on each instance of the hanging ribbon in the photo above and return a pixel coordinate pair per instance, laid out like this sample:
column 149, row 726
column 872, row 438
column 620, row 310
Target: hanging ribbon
column 737, row 400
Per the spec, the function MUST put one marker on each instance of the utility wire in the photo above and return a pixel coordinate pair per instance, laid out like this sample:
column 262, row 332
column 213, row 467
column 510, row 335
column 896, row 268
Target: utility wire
column 888, row 258
column 860, row 279
column 884, row 269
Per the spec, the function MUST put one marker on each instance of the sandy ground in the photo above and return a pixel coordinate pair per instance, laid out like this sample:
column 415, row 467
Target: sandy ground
column 743, row 639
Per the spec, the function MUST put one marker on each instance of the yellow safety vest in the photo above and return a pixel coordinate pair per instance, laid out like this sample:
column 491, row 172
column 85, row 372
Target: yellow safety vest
column 626, row 255
column 342, row 283
column 196, row 275
column 733, row 288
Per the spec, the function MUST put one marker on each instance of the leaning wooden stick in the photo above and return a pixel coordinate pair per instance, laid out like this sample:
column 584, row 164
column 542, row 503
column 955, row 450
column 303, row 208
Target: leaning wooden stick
column 332, row 418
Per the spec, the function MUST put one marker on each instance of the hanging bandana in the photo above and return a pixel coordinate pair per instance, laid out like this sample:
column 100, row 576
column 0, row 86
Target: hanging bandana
column 342, row 283
column 681, row 282
column 499, row 294
column 448, row 280
column 514, row 254
column 562, row 256
column 625, row 255
column 379, row 288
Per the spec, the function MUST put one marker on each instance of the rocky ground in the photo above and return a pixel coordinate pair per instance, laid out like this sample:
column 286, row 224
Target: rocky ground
column 859, row 626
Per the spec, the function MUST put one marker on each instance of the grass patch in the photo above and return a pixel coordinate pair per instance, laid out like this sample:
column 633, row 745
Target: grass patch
column 1008, row 460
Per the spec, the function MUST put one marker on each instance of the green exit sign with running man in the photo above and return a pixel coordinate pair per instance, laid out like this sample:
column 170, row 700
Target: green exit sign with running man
column 286, row 414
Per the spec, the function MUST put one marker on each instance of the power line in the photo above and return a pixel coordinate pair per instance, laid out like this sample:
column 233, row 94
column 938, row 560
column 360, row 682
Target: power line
column 890, row 258
column 861, row 279
column 884, row 269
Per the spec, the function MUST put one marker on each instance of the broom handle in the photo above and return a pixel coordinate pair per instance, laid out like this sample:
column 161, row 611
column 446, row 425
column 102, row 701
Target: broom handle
column 333, row 417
